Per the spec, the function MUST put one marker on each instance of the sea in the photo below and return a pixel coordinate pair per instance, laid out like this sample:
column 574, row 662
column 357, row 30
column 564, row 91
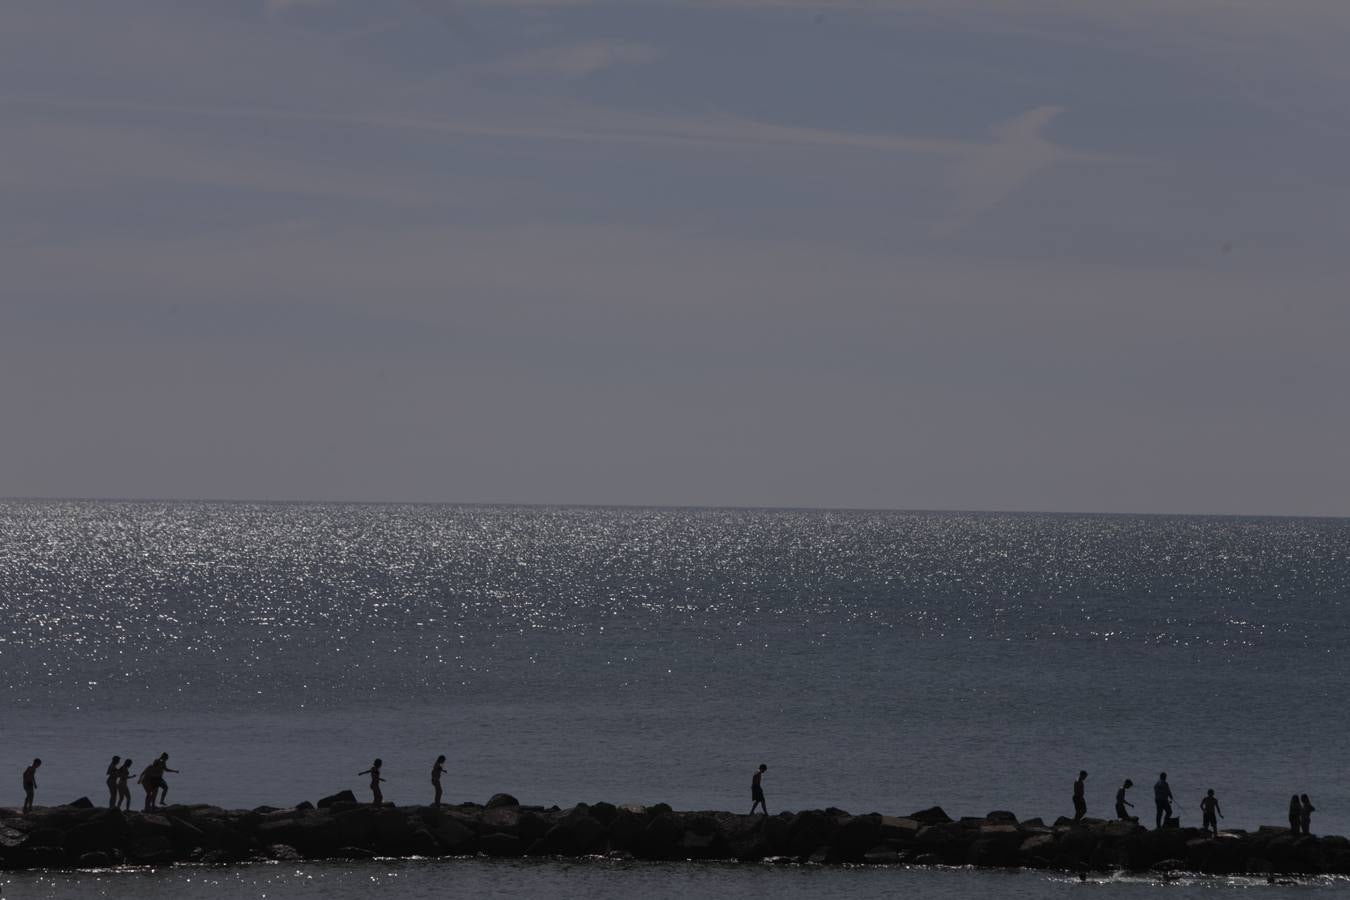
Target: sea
column 874, row 661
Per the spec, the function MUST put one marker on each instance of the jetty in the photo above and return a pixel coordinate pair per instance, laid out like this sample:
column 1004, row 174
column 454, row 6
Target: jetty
column 79, row 835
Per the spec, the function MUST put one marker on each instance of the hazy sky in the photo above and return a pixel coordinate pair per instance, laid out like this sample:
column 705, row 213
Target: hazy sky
column 980, row 254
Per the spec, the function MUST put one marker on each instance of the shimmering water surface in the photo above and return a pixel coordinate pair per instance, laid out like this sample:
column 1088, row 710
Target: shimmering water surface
column 875, row 661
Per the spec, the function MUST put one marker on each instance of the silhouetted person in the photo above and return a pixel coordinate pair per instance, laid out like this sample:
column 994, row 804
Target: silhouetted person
column 757, row 790
column 375, row 779
column 1162, row 798
column 1121, row 802
column 30, row 784
column 1295, row 814
column 1079, row 801
column 149, row 780
column 163, row 784
column 436, row 771
column 123, row 792
column 1305, row 811
column 1209, row 808
column 112, row 782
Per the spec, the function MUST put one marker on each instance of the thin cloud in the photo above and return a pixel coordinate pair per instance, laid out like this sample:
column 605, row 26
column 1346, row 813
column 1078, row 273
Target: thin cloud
column 572, row 61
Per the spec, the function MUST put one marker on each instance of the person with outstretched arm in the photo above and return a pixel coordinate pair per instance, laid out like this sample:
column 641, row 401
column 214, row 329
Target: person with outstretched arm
column 757, row 790
column 164, row 784
column 375, row 779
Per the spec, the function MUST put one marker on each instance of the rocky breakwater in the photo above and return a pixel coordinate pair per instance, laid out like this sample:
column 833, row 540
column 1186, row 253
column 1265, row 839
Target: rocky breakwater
column 79, row 835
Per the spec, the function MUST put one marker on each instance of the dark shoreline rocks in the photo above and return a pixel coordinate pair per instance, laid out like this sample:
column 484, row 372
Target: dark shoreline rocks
column 81, row 836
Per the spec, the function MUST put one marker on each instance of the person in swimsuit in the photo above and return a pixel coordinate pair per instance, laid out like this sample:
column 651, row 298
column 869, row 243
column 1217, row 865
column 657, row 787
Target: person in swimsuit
column 757, row 790
column 1209, row 808
column 1295, row 814
column 375, row 779
column 1079, row 802
column 124, row 793
column 164, row 785
column 30, row 785
column 1305, row 811
column 436, row 771
column 1121, row 802
column 112, row 782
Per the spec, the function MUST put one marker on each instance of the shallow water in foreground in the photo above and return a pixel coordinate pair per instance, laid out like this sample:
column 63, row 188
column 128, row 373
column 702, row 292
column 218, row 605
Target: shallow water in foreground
column 596, row 879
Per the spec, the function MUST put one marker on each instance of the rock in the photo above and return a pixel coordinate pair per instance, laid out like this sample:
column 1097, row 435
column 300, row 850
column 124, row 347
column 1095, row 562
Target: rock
column 353, row 853
column 934, row 815
column 454, row 836
column 810, row 829
column 894, row 828
column 855, row 836
column 82, row 803
column 43, row 857
column 283, row 853
column 881, row 856
column 502, row 800
column 108, row 831
column 661, row 837
column 1001, row 817
column 153, row 849
column 499, row 844
column 304, row 806
column 604, row 813
column 501, row 818
column 999, row 850
column 626, row 830
column 339, row 797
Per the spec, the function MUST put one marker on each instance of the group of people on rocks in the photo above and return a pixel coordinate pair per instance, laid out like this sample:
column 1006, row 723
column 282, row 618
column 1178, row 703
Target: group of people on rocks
column 1300, row 807
column 156, row 788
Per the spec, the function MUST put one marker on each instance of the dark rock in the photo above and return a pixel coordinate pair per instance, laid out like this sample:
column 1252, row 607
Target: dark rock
column 108, row 831
column 880, row 856
column 995, row 851
column 154, row 849
column 304, row 805
column 855, row 836
column 661, row 837
column 502, row 800
column 82, row 803
column 1001, row 817
column 500, row 844
column 283, row 853
column 353, row 853
column 97, row 859
column 339, row 797
column 454, row 836
column 505, row 819
column 626, row 830
column 810, row 829
column 604, row 813
column 934, row 815
column 43, row 857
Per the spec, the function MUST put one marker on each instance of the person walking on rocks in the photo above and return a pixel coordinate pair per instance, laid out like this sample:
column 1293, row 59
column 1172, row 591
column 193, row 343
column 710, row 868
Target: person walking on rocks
column 163, row 784
column 757, row 790
column 123, row 792
column 375, row 779
column 149, row 780
column 1079, row 801
column 1305, row 811
column 1121, row 802
column 1295, row 815
column 112, row 782
column 1162, row 798
column 436, row 771
column 1209, row 807
column 30, row 785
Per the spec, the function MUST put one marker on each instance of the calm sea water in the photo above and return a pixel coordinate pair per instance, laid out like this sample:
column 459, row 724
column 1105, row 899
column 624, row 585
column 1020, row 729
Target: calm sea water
column 875, row 661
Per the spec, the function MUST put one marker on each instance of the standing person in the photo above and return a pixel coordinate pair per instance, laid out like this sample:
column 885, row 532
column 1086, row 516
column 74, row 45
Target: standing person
column 112, row 782
column 1079, row 801
column 1209, row 807
column 1162, row 798
column 436, row 771
column 1121, row 802
column 1305, row 811
column 375, row 779
column 123, row 793
column 163, row 784
column 30, row 785
column 757, row 790
column 1295, row 814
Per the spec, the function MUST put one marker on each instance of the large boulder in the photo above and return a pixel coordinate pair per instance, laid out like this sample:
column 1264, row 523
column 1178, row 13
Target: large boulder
column 339, row 797
column 454, row 836
column 934, row 815
column 500, row 844
column 108, row 831
column 855, row 836
column 502, row 800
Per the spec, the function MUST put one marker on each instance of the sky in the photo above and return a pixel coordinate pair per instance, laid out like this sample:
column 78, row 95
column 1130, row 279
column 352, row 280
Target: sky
column 916, row 254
